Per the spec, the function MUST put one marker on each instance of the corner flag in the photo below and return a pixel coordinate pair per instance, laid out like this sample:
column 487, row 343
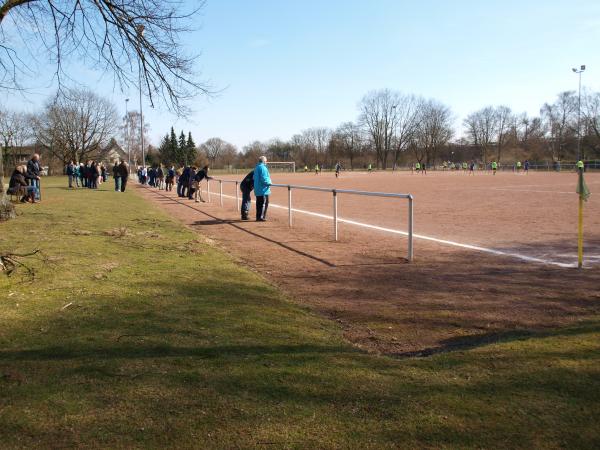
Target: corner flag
column 582, row 188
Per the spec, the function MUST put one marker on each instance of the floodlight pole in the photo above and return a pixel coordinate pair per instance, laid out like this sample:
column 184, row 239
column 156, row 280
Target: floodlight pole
column 579, row 72
column 127, row 132
column 140, row 30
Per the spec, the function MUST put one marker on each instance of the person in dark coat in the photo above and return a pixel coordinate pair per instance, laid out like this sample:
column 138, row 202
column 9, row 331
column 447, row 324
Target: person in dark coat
column 94, row 174
column 117, row 176
column 34, row 170
column 198, row 177
column 18, row 183
column 247, row 186
column 124, row 173
column 183, row 182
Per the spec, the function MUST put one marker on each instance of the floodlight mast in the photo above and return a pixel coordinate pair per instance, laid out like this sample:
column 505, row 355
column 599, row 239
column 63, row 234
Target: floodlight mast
column 579, row 72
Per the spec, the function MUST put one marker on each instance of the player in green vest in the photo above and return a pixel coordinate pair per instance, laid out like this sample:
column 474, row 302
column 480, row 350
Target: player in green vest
column 518, row 166
column 494, row 167
column 317, row 169
column 417, row 167
column 465, row 166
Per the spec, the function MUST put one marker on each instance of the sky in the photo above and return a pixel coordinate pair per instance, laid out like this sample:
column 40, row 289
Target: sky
column 284, row 66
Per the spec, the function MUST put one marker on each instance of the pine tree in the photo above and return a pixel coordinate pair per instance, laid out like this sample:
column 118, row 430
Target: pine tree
column 190, row 148
column 166, row 156
column 174, row 149
column 181, row 149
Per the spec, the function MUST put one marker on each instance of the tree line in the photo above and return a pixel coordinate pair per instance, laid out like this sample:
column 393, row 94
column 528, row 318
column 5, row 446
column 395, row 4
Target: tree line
column 391, row 129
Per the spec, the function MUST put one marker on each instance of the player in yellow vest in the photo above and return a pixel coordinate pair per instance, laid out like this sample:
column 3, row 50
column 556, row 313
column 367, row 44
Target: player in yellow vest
column 494, row 167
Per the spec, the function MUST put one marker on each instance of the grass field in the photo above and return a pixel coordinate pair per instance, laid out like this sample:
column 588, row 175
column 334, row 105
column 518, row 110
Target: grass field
column 138, row 332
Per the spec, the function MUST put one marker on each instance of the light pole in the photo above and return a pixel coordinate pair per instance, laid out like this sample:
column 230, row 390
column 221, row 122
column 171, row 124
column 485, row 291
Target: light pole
column 579, row 72
column 127, row 132
column 140, row 30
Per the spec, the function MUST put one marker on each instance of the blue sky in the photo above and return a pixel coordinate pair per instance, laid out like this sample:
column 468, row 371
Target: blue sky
column 289, row 65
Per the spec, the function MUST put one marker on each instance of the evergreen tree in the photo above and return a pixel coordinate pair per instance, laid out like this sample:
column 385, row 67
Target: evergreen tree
column 181, row 150
column 166, row 156
column 174, row 148
column 190, row 148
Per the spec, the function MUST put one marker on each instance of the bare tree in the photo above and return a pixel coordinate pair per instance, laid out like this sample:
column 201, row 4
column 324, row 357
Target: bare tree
column 217, row 149
column 137, row 40
column 481, row 127
column 131, row 137
column 560, row 119
column 379, row 117
column 76, row 125
column 504, row 117
column 407, row 113
column 350, row 137
column 434, row 130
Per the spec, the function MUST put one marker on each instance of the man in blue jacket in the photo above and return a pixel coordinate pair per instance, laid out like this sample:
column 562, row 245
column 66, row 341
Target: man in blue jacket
column 262, row 188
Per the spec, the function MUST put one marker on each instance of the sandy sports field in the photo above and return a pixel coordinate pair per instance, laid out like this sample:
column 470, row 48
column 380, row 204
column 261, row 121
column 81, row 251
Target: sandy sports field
column 534, row 215
column 452, row 296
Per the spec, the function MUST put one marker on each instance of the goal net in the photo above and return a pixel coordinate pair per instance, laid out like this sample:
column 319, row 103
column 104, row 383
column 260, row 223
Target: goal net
column 282, row 166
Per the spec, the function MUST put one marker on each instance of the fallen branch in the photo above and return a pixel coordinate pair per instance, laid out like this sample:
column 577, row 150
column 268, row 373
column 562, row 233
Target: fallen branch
column 10, row 262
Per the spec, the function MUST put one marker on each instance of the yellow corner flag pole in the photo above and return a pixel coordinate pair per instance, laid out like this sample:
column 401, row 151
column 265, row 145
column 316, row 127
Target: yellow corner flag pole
column 584, row 193
column 580, row 233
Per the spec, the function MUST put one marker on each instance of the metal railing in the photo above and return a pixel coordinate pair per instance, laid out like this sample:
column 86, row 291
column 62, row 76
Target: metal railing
column 335, row 193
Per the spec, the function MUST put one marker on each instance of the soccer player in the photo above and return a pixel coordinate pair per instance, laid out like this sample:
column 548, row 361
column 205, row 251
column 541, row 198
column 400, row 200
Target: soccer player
column 305, row 168
column 317, row 169
column 338, row 169
column 370, row 168
column 464, row 166
column 472, row 168
column 518, row 166
column 494, row 167
column 526, row 166
column 417, row 166
column 423, row 169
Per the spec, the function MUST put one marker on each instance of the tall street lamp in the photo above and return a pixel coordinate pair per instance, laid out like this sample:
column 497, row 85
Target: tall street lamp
column 579, row 72
column 127, row 132
column 140, row 31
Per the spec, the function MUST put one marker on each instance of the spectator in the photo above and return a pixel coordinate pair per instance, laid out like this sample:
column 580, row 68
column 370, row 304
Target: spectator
column 160, row 177
column 103, row 173
column 33, row 174
column 262, row 188
column 70, row 170
column 246, row 186
column 18, row 184
column 124, row 172
column 182, row 183
column 198, row 177
column 170, row 180
column 117, row 176
column 94, row 173
column 77, row 173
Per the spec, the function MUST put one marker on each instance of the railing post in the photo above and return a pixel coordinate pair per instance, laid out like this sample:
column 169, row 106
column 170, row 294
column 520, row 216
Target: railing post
column 289, row 206
column 410, row 228
column 208, row 189
column 237, row 197
column 335, row 216
column 221, row 192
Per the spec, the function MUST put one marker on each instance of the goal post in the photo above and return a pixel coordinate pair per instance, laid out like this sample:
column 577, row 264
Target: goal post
column 282, row 166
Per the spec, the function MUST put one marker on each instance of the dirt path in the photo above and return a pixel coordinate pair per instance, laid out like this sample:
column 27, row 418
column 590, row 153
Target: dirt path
column 447, row 299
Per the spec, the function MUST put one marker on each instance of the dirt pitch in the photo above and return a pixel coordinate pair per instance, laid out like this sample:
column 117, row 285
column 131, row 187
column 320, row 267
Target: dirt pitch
column 450, row 297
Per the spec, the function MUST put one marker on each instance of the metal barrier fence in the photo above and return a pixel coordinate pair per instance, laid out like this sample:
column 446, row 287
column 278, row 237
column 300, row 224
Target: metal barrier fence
column 334, row 192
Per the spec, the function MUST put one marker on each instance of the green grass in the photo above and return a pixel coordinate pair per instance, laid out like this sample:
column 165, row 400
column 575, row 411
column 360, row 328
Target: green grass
column 168, row 342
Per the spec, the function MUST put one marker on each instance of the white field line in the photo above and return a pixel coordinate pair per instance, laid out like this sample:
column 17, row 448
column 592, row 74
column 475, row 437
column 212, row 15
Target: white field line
column 529, row 190
column 426, row 238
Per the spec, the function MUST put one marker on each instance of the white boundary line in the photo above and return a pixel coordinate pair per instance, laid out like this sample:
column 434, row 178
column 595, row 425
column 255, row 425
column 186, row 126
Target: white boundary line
column 427, row 238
